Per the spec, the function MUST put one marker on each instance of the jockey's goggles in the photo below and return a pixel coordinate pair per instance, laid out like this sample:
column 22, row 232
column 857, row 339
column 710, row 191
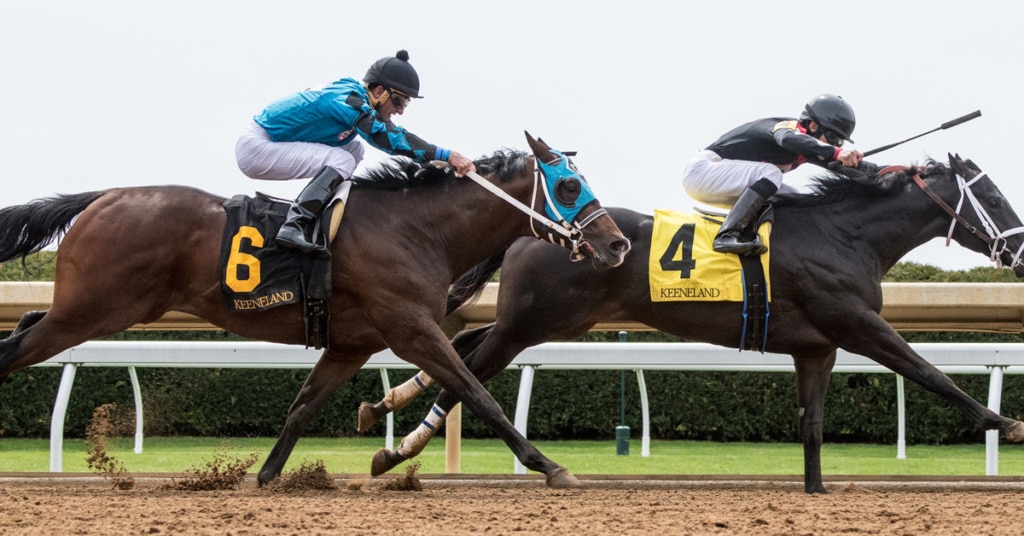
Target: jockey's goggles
column 834, row 139
column 399, row 99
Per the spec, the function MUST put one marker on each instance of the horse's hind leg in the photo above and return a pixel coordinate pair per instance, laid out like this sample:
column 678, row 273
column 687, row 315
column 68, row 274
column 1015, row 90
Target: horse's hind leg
column 9, row 345
column 329, row 374
column 41, row 335
column 812, row 378
column 28, row 320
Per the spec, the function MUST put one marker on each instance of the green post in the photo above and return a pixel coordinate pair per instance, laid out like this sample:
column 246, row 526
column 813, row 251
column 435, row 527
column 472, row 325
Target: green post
column 622, row 431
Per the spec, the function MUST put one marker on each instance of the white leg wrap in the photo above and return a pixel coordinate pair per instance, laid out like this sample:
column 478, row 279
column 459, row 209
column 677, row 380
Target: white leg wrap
column 413, row 443
column 399, row 397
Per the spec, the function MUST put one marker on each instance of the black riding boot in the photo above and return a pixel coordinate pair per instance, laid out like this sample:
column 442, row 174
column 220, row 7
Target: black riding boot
column 297, row 230
column 742, row 214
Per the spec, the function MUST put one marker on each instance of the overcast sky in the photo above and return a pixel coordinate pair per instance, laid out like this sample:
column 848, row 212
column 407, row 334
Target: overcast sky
column 106, row 93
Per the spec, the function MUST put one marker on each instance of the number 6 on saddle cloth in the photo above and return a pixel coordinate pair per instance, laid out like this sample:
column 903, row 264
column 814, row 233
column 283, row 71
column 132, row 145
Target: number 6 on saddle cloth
column 683, row 266
column 259, row 275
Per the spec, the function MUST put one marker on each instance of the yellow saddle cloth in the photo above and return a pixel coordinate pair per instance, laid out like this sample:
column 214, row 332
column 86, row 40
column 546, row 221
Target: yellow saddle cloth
column 684, row 267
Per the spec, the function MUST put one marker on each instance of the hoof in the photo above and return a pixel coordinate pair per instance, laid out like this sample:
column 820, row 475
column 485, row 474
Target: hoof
column 1015, row 433
column 366, row 417
column 384, row 461
column 264, row 478
column 561, row 478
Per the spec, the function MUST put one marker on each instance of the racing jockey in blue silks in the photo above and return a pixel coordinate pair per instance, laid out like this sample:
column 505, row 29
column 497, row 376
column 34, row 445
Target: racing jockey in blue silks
column 744, row 167
column 314, row 133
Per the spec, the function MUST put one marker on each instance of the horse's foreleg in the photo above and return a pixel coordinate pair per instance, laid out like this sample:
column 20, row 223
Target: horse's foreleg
column 466, row 388
column 395, row 399
column 812, row 378
column 434, row 355
column 888, row 349
column 411, row 445
column 327, row 376
column 486, row 360
column 399, row 397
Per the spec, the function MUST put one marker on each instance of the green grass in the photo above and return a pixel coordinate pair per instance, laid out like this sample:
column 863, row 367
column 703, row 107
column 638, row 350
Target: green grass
column 352, row 455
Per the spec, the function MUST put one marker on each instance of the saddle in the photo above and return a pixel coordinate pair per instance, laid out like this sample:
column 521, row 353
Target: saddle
column 257, row 274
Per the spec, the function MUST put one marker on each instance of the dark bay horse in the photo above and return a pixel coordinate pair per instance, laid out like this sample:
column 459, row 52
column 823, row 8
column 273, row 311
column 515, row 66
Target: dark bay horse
column 829, row 252
column 134, row 254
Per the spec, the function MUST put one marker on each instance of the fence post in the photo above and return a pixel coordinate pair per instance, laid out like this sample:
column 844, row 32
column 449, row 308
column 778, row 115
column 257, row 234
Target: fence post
column 622, row 431
column 60, row 410
column 995, row 396
column 901, row 420
column 523, row 412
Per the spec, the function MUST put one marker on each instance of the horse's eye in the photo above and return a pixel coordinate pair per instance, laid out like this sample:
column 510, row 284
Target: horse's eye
column 995, row 203
column 567, row 191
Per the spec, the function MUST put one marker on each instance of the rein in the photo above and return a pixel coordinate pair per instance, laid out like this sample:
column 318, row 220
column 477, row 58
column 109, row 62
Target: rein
column 995, row 239
column 571, row 233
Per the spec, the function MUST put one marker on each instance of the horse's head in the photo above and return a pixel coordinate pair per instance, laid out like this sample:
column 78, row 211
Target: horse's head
column 580, row 222
column 982, row 218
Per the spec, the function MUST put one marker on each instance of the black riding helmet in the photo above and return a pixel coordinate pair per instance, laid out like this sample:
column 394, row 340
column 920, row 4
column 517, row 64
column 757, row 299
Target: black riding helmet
column 832, row 113
column 394, row 72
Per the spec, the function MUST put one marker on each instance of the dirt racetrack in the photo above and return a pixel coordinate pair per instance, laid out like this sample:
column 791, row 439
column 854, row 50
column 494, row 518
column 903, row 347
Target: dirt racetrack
column 456, row 506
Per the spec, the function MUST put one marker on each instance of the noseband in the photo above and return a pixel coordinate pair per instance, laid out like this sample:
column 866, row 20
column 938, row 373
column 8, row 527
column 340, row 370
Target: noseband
column 991, row 235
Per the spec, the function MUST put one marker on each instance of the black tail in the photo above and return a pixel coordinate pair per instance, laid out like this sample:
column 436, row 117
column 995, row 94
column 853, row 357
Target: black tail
column 28, row 228
column 471, row 284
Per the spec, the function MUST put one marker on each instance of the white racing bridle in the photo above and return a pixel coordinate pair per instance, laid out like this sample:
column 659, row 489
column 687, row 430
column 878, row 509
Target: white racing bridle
column 992, row 235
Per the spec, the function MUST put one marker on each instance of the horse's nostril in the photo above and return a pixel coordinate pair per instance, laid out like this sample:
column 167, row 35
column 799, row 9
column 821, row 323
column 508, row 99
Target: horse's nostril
column 620, row 246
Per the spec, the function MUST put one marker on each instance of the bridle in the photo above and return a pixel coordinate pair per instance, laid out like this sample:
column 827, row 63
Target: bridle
column 569, row 235
column 991, row 234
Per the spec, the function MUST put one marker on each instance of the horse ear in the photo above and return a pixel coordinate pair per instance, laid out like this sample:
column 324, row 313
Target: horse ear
column 539, row 148
column 963, row 167
column 955, row 163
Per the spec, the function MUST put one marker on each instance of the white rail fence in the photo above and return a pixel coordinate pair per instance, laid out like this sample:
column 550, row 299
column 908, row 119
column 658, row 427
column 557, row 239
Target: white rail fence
column 993, row 359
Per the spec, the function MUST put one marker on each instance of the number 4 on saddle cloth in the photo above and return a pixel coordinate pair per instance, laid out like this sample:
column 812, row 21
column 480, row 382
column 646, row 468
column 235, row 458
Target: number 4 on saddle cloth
column 684, row 267
column 257, row 274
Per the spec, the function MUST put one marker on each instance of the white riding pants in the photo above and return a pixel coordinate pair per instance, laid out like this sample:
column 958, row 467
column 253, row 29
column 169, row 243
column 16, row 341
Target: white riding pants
column 710, row 179
column 260, row 158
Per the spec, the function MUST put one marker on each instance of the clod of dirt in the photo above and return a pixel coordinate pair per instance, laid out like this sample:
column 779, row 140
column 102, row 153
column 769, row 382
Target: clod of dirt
column 356, row 484
column 221, row 473
column 409, row 482
column 100, row 426
column 853, row 488
column 309, row 476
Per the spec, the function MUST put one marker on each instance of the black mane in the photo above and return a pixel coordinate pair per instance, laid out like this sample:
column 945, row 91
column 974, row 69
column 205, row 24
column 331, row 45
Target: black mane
column 399, row 172
column 832, row 188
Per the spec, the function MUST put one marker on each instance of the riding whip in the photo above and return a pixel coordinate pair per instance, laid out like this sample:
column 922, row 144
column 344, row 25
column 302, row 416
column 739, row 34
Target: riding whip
column 944, row 126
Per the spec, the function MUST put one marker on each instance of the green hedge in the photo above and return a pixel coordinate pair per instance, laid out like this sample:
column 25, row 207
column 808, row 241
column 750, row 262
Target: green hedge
column 718, row 406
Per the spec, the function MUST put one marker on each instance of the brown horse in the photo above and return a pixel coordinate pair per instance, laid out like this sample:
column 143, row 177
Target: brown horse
column 829, row 252
column 136, row 253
